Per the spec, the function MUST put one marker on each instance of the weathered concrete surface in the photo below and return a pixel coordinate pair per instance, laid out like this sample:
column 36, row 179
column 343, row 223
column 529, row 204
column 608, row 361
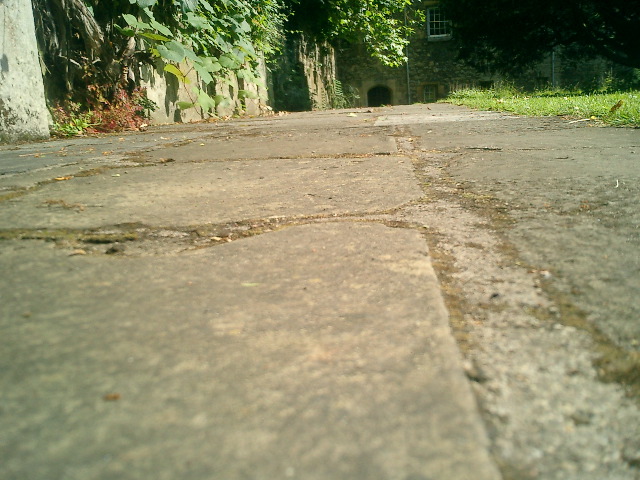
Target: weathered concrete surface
column 534, row 228
column 315, row 352
column 573, row 190
column 23, row 110
column 258, row 144
column 206, row 339
column 215, row 192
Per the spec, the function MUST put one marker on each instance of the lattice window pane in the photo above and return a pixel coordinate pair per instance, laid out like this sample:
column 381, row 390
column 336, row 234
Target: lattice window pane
column 430, row 93
column 437, row 24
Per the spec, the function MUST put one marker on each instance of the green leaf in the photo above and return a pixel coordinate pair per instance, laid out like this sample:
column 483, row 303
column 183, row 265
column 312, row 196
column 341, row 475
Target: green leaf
column 207, row 7
column 244, row 27
column 185, row 105
column 246, row 47
column 144, row 3
column 211, row 64
column 247, row 94
column 189, row 5
column 205, row 101
column 191, row 55
column 228, row 60
column 172, row 51
column 222, row 101
column 154, row 36
column 205, row 76
column 128, row 32
column 176, row 71
column 161, row 28
column 130, row 19
column 198, row 21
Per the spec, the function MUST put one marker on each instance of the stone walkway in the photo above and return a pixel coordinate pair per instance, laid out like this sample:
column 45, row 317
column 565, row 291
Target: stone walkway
column 243, row 300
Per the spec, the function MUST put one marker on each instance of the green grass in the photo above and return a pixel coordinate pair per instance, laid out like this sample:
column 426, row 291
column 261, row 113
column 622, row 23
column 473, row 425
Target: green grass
column 596, row 106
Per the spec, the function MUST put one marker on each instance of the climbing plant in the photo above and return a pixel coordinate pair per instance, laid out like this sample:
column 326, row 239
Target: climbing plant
column 98, row 45
column 215, row 39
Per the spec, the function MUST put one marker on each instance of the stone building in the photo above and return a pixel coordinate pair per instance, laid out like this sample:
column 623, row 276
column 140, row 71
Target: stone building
column 432, row 70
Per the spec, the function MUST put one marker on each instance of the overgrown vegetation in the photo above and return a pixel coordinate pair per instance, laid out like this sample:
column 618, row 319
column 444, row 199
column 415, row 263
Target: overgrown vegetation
column 614, row 108
column 92, row 50
column 338, row 96
column 384, row 26
column 508, row 36
column 125, row 111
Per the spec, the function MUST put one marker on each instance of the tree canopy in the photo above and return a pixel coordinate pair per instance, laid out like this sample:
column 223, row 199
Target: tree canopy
column 509, row 35
column 380, row 24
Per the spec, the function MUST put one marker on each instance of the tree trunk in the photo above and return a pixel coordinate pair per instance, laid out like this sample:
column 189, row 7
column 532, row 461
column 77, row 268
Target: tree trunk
column 23, row 110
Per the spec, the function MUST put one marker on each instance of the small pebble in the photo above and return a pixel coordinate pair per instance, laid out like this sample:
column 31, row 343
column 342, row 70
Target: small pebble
column 115, row 248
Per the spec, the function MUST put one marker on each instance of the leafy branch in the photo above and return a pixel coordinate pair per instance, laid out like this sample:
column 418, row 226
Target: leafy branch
column 214, row 40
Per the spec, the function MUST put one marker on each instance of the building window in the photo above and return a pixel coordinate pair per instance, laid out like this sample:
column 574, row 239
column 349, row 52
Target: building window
column 438, row 27
column 430, row 92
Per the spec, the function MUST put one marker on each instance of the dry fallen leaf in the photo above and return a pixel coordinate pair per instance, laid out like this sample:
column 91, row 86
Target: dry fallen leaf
column 111, row 397
column 616, row 106
column 60, row 179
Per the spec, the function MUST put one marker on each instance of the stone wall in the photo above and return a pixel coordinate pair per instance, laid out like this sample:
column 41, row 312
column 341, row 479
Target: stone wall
column 166, row 91
column 356, row 69
column 304, row 76
column 435, row 70
column 23, row 111
column 432, row 72
column 566, row 72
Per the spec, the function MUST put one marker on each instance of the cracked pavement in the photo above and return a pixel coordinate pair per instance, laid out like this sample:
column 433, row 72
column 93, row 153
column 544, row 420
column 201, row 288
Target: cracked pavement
column 258, row 299
column 226, row 301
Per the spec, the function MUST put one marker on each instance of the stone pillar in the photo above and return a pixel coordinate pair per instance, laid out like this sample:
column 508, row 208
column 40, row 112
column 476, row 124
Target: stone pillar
column 23, row 110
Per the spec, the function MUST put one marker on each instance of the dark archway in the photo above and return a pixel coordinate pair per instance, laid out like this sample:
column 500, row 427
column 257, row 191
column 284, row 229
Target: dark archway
column 378, row 96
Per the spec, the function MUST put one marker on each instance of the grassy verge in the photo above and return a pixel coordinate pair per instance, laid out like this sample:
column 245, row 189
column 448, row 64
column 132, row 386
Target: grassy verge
column 619, row 109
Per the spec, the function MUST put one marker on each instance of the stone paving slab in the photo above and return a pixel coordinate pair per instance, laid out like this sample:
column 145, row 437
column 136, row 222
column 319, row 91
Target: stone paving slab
column 178, row 194
column 319, row 349
column 316, row 352
column 84, row 150
column 264, row 143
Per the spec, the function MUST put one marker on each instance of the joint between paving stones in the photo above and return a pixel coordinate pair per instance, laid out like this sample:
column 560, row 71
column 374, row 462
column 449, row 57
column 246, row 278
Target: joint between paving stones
column 101, row 240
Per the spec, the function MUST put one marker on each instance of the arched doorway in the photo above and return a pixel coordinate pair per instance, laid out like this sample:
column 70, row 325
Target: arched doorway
column 378, row 96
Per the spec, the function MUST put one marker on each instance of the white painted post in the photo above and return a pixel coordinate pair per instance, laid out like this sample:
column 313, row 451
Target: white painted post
column 23, row 110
